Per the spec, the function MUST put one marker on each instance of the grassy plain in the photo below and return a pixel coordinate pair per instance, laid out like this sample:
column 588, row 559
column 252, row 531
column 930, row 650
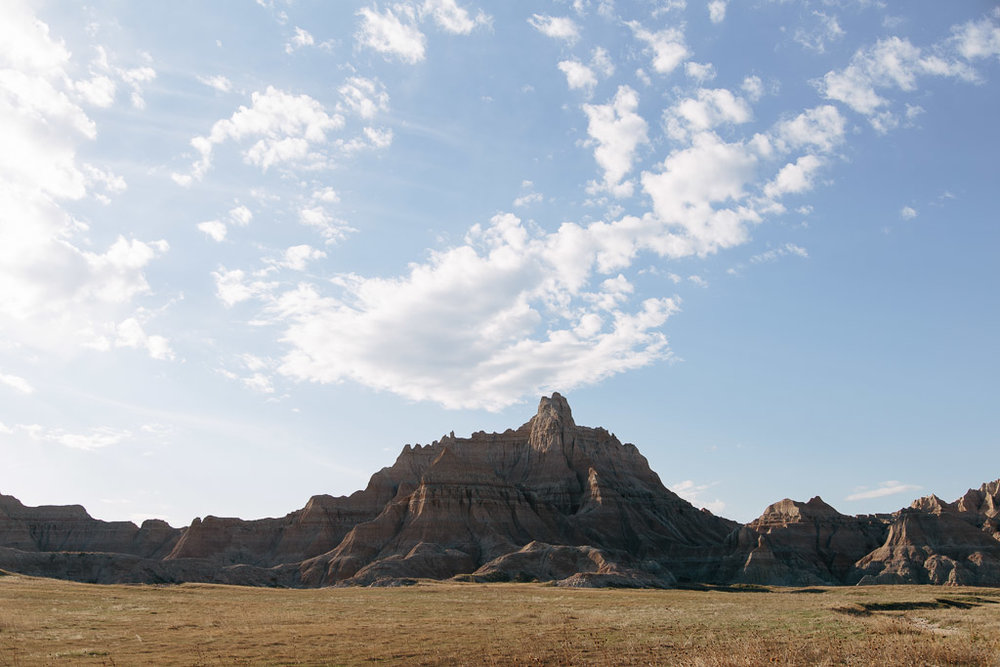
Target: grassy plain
column 44, row 621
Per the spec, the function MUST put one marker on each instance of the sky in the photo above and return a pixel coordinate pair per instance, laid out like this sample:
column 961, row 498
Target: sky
column 250, row 249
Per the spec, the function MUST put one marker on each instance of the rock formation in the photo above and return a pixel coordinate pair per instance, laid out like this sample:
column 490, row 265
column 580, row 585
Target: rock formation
column 802, row 544
column 549, row 501
column 940, row 543
column 69, row 528
column 930, row 542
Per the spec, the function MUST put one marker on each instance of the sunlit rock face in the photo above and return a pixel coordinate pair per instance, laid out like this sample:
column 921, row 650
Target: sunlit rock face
column 548, row 501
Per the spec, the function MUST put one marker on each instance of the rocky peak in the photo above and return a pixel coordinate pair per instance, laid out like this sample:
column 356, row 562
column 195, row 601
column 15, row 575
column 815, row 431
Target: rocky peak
column 788, row 512
column 991, row 488
column 931, row 504
column 819, row 507
column 551, row 423
column 556, row 407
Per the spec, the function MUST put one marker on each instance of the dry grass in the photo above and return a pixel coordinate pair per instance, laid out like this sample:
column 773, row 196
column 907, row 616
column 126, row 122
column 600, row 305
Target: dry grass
column 53, row 622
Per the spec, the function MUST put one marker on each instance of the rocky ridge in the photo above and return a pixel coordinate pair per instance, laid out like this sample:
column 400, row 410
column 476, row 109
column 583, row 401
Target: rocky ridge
column 548, row 501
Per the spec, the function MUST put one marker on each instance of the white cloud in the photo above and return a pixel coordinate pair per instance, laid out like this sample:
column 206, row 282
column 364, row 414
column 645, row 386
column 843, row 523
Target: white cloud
column 332, row 229
column 259, row 382
column 513, row 312
column 130, row 333
column 884, row 121
column 286, row 128
column 370, row 138
column 578, row 75
column 300, row 39
column 98, row 91
column 977, row 39
column 693, row 492
column 753, row 87
column 908, row 213
column 297, row 257
column 240, row 216
column 378, row 138
column 826, row 31
column 235, row 286
column 700, row 72
column 392, row 33
column 364, row 97
column 717, row 10
column 95, row 438
column 892, row 63
column 327, row 194
column 17, row 382
column 689, row 184
column 451, row 17
column 913, row 111
column 260, row 378
column 528, row 199
column 821, row 128
column 107, row 181
column 776, row 253
column 889, row 488
column 134, row 78
column 618, row 131
column 710, row 108
column 669, row 49
column 557, row 27
column 219, row 82
column 482, row 324
column 513, row 309
column 214, row 229
column 58, row 289
column 601, row 61
column 794, row 177
column 217, row 230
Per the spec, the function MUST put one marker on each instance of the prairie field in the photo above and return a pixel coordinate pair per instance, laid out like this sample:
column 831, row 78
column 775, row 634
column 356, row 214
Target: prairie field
column 44, row 621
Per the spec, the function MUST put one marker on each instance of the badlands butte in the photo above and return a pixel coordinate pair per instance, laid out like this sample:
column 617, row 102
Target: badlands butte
column 550, row 501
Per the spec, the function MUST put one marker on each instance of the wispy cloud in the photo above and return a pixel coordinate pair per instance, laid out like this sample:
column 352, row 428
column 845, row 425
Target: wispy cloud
column 888, row 488
column 694, row 493
column 17, row 382
column 393, row 33
column 94, row 438
column 557, row 27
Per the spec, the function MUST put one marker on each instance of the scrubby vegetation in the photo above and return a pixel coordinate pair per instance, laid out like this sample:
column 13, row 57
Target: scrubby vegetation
column 44, row 621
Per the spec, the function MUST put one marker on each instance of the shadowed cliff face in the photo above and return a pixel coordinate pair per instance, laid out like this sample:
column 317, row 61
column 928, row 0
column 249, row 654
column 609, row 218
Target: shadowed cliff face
column 70, row 528
column 550, row 500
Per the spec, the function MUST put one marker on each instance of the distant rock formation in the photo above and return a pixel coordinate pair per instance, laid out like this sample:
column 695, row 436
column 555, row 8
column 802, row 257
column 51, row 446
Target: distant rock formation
column 70, row 528
column 804, row 544
column 940, row 543
column 930, row 542
column 549, row 501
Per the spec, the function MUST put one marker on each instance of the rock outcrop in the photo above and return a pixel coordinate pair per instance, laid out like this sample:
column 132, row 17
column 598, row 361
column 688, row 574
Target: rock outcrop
column 461, row 503
column 548, row 501
column 940, row 543
column 930, row 542
column 70, row 528
column 804, row 544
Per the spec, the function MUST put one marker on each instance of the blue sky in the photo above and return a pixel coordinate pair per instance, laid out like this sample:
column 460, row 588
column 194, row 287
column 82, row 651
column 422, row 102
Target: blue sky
column 249, row 250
